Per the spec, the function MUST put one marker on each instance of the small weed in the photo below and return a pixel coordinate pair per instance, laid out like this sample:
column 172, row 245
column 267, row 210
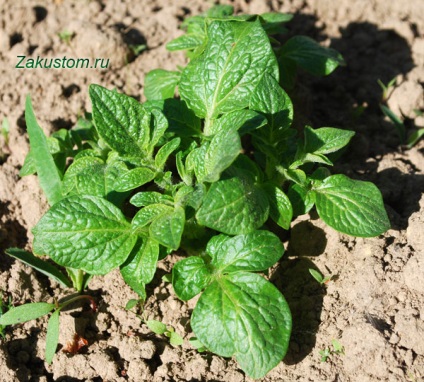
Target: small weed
column 319, row 277
column 327, row 352
column 66, row 36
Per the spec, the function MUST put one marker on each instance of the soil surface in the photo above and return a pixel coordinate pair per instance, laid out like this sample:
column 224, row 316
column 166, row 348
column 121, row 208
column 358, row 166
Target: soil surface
column 374, row 305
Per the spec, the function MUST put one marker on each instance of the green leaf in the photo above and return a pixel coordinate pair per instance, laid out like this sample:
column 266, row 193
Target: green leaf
column 182, row 121
column 121, row 121
column 400, row 127
column 133, row 179
column 84, row 232
column 189, row 277
column 26, row 312
column 48, row 174
column 140, row 266
column 255, row 251
column 351, row 206
column 326, row 140
column 147, row 214
column 40, row 265
column 310, row 56
column 220, row 153
column 414, row 138
column 273, row 22
column 234, row 206
column 52, row 337
column 156, row 327
column 146, row 198
column 28, row 168
column 89, row 175
column 175, row 339
column 316, row 275
column 301, row 199
column 220, row 10
column 222, row 78
column 185, row 42
column 244, row 315
column 168, row 228
column 165, row 151
column 280, row 208
column 243, row 120
column 160, row 84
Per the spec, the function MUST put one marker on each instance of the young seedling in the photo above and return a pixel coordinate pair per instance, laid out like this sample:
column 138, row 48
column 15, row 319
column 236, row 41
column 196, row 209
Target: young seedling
column 32, row 311
column 387, row 89
column 156, row 326
column 327, row 352
column 66, row 36
column 397, row 122
column 4, row 307
column 319, row 277
column 206, row 173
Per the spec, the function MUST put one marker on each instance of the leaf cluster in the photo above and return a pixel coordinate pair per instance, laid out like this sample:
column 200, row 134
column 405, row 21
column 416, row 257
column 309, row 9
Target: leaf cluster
column 208, row 172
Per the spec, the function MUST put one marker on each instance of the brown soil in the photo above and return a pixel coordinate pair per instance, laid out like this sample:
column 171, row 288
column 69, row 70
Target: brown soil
column 375, row 304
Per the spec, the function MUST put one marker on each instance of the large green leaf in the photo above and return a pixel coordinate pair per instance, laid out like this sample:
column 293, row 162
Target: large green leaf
column 184, row 42
column 140, row 266
column 160, row 84
column 43, row 162
column 326, row 140
column 121, row 121
column 311, row 56
column 150, row 197
column 351, row 206
column 84, row 232
column 234, row 206
column 147, row 214
column 255, row 251
column 168, row 228
column 222, row 78
column 134, row 178
column 244, row 315
column 189, row 277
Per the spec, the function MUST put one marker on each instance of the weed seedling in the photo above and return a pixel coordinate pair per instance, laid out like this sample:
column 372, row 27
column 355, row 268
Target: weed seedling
column 319, row 277
column 66, row 36
column 327, row 352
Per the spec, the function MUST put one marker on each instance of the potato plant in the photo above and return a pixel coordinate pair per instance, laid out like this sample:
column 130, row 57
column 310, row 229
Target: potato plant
column 206, row 173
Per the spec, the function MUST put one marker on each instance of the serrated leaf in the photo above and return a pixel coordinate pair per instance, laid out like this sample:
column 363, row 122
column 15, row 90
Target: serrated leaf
column 146, row 198
column 165, row 151
column 52, row 337
column 326, row 140
column 121, row 121
column 168, row 228
column 26, row 312
column 234, row 206
column 133, row 179
column 156, row 327
column 255, row 251
column 244, row 315
column 84, row 232
column 40, row 265
column 223, row 77
column 280, row 208
column 351, row 206
column 160, row 84
column 189, row 277
column 48, row 174
column 140, row 266
column 147, row 214
column 310, row 56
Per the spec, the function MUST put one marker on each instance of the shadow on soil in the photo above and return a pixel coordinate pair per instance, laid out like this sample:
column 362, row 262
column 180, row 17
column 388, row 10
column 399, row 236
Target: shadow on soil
column 303, row 294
